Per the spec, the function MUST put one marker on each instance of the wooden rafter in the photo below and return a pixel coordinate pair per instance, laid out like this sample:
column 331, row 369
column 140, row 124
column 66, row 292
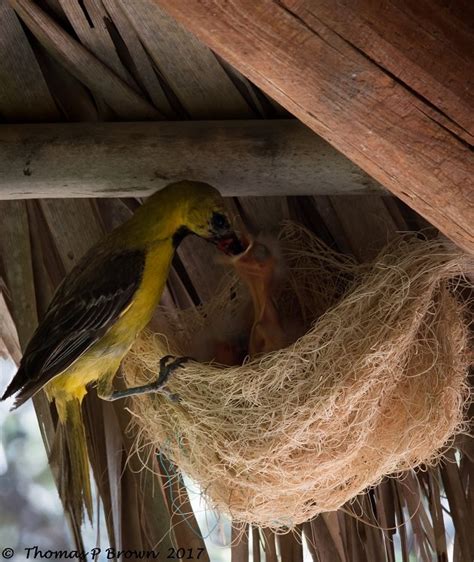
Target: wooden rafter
column 254, row 157
column 344, row 69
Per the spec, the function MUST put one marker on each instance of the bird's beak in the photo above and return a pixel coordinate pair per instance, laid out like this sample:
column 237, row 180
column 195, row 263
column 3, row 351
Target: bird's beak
column 230, row 244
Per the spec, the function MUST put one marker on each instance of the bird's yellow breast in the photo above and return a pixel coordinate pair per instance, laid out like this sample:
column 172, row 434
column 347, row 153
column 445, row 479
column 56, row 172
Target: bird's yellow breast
column 140, row 310
column 104, row 357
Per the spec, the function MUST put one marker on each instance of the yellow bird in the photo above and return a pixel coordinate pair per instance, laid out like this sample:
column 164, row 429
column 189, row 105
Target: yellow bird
column 106, row 300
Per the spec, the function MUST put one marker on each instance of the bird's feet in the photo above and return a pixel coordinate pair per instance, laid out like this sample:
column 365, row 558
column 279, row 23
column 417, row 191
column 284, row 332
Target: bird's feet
column 168, row 364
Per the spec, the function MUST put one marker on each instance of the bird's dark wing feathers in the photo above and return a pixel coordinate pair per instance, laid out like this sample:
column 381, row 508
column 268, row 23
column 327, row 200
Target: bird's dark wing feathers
column 86, row 305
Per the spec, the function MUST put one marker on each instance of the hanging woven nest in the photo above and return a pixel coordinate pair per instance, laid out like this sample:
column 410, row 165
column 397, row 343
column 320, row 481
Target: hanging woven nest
column 376, row 384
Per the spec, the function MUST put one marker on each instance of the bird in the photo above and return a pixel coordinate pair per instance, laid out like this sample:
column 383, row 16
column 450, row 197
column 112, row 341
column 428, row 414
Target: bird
column 106, row 300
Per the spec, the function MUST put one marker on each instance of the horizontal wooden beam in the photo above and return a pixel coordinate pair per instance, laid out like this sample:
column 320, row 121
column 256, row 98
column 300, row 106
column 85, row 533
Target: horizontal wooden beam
column 254, row 157
column 389, row 84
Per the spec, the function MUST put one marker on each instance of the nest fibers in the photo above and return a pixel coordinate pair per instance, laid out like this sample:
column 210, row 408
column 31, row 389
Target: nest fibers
column 376, row 385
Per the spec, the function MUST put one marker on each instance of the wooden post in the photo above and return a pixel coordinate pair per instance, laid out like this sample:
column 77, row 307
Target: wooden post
column 254, row 157
column 386, row 83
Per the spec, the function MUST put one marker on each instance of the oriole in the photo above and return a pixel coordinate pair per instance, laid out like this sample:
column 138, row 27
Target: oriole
column 106, row 300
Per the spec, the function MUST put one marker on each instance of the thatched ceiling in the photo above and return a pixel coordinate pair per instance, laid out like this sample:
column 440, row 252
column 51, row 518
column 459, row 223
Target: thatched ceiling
column 115, row 60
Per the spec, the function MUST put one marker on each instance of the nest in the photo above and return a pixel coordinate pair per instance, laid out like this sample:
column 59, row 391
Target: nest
column 377, row 383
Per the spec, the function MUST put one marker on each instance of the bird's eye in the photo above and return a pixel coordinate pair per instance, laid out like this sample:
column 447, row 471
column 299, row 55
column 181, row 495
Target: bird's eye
column 219, row 222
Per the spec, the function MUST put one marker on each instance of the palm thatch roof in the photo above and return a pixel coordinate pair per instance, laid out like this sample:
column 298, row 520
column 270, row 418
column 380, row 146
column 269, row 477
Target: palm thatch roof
column 63, row 61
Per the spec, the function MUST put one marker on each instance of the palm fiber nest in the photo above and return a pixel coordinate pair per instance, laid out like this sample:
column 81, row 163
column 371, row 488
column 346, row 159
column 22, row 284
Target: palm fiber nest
column 377, row 383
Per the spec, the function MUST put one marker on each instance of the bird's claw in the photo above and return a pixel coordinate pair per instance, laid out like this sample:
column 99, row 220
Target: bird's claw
column 175, row 363
column 168, row 364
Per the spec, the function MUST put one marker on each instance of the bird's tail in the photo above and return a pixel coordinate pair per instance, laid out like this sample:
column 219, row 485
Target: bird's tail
column 70, row 461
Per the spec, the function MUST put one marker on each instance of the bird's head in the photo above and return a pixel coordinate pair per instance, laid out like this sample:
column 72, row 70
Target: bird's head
column 202, row 212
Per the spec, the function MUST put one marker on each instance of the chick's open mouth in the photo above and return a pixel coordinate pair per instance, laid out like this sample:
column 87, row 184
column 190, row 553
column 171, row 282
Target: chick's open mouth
column 230, row 245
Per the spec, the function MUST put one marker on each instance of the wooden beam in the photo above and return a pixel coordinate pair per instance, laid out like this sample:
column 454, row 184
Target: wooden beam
column 386, row 83
column 254, row 157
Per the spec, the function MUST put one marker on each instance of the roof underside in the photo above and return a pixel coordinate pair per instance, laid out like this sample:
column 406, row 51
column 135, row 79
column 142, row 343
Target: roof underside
column 120, row 60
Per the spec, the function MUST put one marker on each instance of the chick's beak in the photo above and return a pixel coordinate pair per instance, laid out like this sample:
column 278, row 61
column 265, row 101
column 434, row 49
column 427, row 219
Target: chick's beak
column 230, row 244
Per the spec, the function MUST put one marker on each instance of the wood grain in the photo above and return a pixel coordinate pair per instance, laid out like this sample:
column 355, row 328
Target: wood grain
column 15, row 254
column 189, row 67
column 140, row 63
column 392, row 35
column 406, row 142
column 240, row 542
column 291, row 546
column 89, row 23
column 367, row 224
column 75, row 100
column 123, row 159
column 9, row 344
column 24, row 95
column 269, row 545
column 122, row 98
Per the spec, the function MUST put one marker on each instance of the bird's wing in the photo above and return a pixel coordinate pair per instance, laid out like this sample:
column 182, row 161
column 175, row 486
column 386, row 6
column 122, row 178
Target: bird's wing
column 86, row 305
